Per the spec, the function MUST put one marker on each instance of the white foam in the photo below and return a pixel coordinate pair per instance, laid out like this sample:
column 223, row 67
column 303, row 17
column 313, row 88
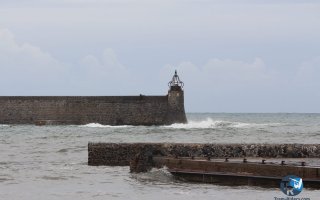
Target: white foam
column 4, row 125
column 204, row 124
column 208, row 123
column 159, row 175
column 242, row 125
column 211, row 124
column 97, row 125
column 249, row 125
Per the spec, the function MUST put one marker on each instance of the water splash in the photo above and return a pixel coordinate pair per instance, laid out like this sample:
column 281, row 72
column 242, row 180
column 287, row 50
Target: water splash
column 97, row 125
column 155, row 176
column 208, row 123
column 213, row 124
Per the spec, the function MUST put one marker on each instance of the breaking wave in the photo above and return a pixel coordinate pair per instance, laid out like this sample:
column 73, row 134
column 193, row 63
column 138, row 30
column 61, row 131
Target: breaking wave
column 155, row 176
column 204, row 124
column 210, row 124
column 97, row 125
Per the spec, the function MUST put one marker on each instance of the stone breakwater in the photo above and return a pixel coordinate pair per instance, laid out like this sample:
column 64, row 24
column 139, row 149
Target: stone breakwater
column 108, row 110
column 121, row 154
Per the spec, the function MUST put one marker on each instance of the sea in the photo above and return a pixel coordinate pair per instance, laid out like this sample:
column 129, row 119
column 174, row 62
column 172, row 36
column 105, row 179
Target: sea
column 50, row 162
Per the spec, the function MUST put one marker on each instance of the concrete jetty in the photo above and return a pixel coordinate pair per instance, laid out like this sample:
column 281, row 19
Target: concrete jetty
column 234, row 164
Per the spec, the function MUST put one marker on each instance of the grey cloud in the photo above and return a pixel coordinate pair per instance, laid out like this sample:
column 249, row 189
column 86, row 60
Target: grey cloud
column 224, row 72
column 28, row 70
column 24, row 66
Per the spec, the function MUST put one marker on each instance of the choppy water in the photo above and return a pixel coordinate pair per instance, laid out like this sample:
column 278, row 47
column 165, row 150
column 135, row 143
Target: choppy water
column 50, row 162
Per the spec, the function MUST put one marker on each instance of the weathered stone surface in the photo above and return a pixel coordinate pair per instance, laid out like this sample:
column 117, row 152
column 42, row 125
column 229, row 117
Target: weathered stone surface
column 122, row 153
column 142, row 161
column 110, row 110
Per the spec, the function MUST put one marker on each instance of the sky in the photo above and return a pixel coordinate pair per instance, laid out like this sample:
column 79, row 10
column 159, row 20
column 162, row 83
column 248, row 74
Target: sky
column 233, row 56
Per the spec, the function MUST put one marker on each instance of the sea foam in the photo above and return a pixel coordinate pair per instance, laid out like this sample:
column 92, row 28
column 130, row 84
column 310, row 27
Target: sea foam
column 211, row 124
column 97, row 125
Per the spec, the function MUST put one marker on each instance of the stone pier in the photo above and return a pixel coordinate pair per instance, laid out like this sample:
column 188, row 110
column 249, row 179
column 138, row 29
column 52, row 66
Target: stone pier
column 121, row 154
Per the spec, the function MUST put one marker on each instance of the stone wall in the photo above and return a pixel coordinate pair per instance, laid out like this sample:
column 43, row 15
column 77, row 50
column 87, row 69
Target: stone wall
column 120, row 154
column 111, row 110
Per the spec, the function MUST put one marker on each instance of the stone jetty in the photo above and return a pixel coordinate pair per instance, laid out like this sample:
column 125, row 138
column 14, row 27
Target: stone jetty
column 107, row 110
column 232, row 164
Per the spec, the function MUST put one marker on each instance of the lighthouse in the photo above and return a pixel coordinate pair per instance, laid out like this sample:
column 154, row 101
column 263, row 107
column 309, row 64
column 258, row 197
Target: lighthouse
column 176, row 100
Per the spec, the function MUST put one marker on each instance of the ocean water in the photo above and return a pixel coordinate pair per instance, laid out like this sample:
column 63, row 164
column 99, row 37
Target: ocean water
column 50, row 162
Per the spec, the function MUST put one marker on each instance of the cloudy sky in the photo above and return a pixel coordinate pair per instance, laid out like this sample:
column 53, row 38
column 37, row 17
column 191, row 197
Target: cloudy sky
column 234, row 56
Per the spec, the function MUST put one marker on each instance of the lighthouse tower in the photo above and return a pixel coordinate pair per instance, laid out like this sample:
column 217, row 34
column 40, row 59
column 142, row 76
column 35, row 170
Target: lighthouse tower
column 176, row 100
